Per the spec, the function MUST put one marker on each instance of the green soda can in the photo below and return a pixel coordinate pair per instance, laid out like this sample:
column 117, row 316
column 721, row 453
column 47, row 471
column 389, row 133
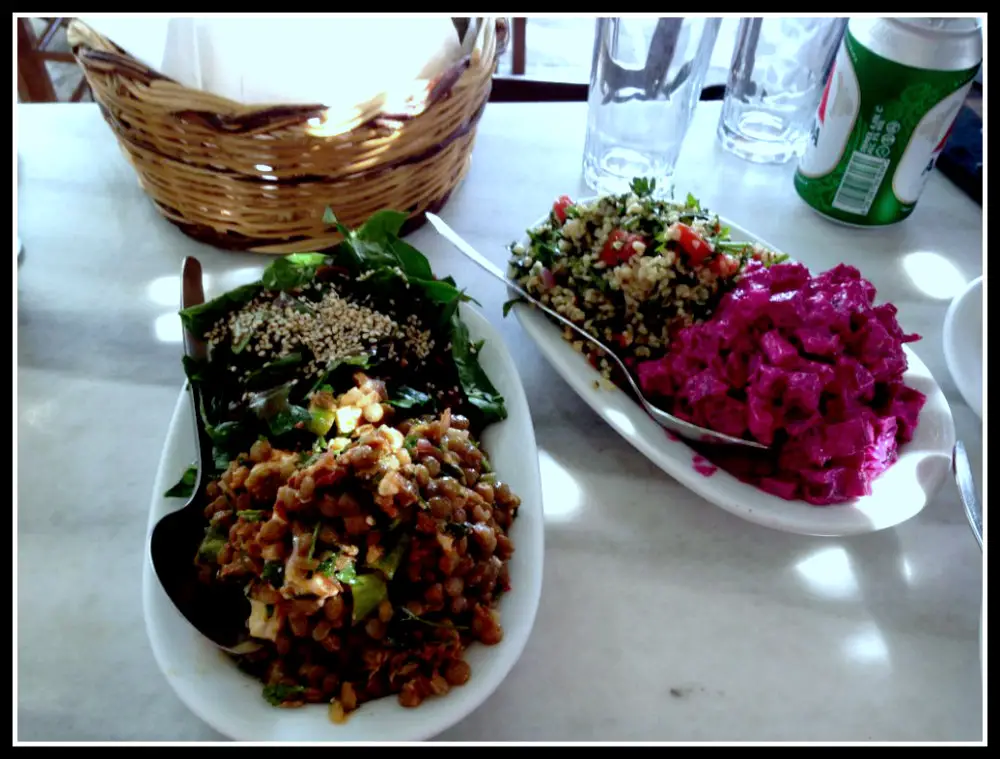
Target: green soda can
column 890, row 101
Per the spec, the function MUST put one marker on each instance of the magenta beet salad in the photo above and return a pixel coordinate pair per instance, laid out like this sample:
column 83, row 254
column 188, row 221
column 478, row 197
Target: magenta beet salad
column 729, row 336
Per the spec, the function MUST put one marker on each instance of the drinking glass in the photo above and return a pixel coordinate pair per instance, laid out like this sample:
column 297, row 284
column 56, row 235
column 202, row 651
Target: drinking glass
column 775, row 82
column 645, row 82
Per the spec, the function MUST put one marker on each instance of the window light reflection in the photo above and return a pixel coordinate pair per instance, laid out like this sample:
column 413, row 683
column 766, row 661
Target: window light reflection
column 167, row 327
column 934, row 275
column 166, row 291
column 867, row 647
column 560, row 492
column 828, row 572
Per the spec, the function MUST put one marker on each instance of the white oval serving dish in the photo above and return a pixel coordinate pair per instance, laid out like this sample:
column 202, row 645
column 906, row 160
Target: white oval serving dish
column 898, row 495
column 209, row 683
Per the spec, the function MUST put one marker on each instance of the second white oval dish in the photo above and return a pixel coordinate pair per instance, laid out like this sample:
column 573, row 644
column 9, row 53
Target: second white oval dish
column 898, row 495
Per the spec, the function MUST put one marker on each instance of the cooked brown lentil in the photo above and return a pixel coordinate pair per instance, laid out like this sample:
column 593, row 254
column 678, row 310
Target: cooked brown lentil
column 315, row 538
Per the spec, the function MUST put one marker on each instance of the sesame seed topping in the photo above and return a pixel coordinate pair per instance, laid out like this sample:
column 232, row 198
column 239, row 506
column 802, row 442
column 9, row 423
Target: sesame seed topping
column 329, row 328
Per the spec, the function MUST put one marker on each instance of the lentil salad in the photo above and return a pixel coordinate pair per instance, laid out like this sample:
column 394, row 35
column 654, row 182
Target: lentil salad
column 351, row 505
column 631, row 269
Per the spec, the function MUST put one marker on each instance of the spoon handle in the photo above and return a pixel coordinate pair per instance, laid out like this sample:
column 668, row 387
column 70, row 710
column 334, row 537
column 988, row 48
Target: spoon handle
column 193, row 294
column 686, row 429
column 490, row 267
column 966, row 487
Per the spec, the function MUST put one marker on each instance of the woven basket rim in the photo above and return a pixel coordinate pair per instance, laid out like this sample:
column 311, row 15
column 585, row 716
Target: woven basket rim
column 257, row 177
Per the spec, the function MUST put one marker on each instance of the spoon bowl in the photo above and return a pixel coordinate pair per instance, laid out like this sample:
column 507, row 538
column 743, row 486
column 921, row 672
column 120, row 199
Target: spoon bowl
column 217, row 612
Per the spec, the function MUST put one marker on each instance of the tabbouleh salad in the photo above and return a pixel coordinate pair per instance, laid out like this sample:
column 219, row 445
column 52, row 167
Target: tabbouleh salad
column 631, row 269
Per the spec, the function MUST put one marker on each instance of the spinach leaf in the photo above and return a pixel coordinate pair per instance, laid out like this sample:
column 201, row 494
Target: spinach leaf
column 185, row 486
column 378, row 240
column 441, row 291
column 274, row 573
column 194, row 370
column 293, row 271
column 476, row 385
column 224, row 435
column 289, row 419
column 221, row 458
column 331, row 220
column 407, row 397
column 382, row 226
column 362, row 360
column 413, row 263
column 277, row 694
column 272, row 407
column 509, row 305
column 376, row 245
column 199, row 320
column 275, row 369
column 370, row 246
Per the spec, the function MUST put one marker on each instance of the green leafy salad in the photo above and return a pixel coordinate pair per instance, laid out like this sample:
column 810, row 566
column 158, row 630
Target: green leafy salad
column 312, row 320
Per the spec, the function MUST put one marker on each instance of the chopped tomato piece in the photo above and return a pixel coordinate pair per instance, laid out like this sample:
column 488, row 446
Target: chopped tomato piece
column 724, row 265
column 693, row 245
column 614, row 253
column 560, row 206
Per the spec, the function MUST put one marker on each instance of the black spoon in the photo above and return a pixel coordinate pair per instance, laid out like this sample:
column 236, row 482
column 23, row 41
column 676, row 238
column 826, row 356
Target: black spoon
column 217, row 611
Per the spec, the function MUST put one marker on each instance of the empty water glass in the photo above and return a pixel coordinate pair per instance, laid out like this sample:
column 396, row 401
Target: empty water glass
column 775, row 82
column 645, row 82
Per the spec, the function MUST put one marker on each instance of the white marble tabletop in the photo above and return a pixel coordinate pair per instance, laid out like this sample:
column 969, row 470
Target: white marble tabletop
column 662, row 618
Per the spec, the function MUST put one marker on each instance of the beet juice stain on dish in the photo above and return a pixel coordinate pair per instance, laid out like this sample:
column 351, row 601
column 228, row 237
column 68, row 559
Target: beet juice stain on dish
column 703, row 466
column 805, row 364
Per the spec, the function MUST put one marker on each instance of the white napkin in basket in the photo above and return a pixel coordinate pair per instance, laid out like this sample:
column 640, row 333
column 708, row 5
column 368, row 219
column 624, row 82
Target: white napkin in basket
column 334, row 60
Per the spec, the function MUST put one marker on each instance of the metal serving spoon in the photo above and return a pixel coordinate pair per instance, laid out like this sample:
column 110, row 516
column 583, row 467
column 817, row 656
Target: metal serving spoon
column 219, row 612
column 661, row 417
column 962, row 470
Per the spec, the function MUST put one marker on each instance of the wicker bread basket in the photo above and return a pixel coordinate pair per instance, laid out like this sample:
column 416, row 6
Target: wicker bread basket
column 260, row 177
